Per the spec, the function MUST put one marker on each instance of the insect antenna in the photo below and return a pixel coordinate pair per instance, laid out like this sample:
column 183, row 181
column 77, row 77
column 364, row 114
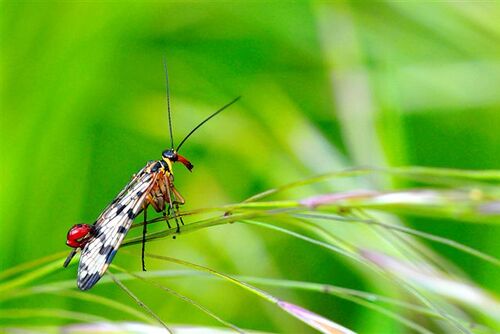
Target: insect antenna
column 168, row 102
column 206, row 120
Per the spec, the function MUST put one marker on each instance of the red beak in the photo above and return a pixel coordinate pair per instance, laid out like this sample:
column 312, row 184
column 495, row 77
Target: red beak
column 185, row 162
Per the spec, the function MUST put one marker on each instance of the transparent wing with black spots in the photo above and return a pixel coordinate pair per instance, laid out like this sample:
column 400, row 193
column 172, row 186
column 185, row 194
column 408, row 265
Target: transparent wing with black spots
column 111, row 227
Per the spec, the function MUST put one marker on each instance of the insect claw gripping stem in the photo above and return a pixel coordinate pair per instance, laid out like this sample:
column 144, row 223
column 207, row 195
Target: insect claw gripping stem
column 176, row 219
column 177, row 211
column 178, row 229
column 165, row 214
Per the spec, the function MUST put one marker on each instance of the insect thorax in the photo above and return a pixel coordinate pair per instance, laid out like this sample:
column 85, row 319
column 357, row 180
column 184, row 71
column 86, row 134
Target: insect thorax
column 160, row 166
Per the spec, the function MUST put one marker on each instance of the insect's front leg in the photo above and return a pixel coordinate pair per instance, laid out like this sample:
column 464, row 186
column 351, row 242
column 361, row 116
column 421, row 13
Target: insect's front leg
column 178, row 197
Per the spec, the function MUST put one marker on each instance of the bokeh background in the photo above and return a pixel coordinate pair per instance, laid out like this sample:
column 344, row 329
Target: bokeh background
column 325, row 86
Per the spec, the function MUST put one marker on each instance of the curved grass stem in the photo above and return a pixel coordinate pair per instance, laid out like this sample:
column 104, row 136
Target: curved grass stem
column 138, row 301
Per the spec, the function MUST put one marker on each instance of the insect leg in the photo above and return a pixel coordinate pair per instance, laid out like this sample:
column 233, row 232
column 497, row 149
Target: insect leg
column 170, row 187
column 169, row 201
column 178, row 200
column 177, row 211
column 165, row 214
column 144, row 230
column 178, row 196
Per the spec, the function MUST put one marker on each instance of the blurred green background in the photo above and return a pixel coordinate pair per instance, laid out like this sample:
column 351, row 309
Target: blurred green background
column 325, row 86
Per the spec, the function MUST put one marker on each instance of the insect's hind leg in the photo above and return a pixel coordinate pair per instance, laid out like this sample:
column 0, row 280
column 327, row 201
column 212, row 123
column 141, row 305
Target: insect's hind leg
column 166, row 212
column 174, row 206
column 168, row 207
column 144, row 231
column 177, row 210
column 171, row 196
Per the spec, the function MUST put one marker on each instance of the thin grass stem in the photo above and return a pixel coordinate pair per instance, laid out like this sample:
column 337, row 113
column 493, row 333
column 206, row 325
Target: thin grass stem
column 138, row 301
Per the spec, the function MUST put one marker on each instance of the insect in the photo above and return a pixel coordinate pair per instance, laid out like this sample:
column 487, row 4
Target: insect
column 152, row 185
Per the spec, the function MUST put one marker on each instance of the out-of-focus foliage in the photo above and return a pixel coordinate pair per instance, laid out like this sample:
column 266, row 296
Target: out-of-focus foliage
column 325, row 86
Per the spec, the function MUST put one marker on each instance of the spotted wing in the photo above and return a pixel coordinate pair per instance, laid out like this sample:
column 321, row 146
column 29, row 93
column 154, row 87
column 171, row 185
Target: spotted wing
column 111, row 227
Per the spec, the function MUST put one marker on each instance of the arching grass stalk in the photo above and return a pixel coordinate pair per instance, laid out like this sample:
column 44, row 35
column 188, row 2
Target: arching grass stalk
column 416, row 199
column 304, row 213
column 432, row 175
column 428, row 202
column 64, row 288
column 314, row 320
column 479, row 204
column 366, row 299
column 209, row 222
column 431, row 237
column 358, row 256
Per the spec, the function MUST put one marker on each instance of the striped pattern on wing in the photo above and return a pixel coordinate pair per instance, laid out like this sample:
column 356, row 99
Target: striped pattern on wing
column 111, row 227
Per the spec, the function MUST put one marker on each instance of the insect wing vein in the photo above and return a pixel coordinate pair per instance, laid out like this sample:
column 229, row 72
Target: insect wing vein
column 111, row 228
